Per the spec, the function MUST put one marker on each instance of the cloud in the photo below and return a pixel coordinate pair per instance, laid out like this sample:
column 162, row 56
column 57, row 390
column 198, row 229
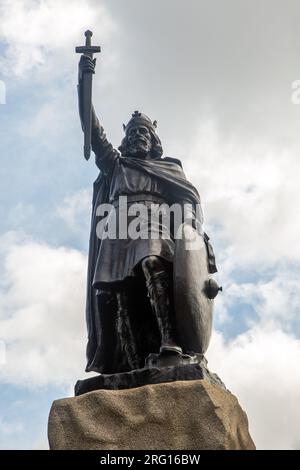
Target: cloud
column 9, row 428
column 251, row 194
column 274, row 301
column 41, row 35
column 42, row 312
column 75, row 209
column 39, row 62
column 178, row 63
column 2, row 92
column 261, row 367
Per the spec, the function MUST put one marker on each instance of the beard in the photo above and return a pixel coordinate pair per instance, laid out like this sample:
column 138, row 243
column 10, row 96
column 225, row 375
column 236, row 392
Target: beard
column 140, row 148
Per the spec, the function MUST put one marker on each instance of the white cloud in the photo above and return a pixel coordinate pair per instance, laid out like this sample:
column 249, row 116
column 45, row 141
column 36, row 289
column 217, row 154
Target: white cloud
column 251, row 190
column 42, row 319
column 41, row 34
column 75, row 209
column 2, row 92
column 8, row 428
column 39, row 38
column 40, row 444
column 275, row 301
column 261, row 367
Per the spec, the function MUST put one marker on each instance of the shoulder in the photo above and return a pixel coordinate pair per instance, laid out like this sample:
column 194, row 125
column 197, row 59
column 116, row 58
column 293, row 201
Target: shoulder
column 172, row 160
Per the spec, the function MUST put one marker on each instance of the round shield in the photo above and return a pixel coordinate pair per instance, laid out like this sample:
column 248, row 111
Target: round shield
column 193, row 308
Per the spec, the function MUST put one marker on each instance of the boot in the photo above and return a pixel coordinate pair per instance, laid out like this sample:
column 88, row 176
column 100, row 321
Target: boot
column 158, row 285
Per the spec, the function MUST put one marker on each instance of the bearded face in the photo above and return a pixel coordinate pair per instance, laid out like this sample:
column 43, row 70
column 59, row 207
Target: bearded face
column 139, row 141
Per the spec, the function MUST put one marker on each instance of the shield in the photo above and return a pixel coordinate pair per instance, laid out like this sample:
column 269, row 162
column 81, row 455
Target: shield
column 193, row 308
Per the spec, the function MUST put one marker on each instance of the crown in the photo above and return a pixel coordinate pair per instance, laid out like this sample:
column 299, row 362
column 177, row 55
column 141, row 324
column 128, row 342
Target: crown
column 140, row 118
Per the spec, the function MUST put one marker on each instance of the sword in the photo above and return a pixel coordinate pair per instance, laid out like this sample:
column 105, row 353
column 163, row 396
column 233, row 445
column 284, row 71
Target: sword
column 88, row 50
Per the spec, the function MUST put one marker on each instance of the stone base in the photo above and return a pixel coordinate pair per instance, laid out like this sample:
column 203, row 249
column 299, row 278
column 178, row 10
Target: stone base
column 188, row 415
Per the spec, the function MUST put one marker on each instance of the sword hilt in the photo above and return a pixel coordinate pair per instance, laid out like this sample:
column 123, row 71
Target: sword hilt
column 88, row 49
column 88, row 37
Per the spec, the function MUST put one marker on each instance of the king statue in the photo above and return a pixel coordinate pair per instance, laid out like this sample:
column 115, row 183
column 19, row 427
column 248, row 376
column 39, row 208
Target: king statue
column 149, row 297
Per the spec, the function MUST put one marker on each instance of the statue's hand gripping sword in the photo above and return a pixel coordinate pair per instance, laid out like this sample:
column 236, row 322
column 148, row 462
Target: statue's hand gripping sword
column 87, row 78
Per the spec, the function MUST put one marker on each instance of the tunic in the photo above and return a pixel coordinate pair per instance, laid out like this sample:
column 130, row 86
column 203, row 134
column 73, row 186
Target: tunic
column 118, row 257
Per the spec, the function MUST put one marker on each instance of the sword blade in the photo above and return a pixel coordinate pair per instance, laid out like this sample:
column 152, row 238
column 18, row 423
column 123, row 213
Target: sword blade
column 87, row 79
column 87, row 113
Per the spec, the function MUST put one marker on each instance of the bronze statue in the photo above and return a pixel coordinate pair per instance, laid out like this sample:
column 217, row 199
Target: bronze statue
column 149, row 299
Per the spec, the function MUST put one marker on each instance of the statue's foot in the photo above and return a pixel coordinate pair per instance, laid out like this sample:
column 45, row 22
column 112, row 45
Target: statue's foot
column 170, row 349
column 170, row 355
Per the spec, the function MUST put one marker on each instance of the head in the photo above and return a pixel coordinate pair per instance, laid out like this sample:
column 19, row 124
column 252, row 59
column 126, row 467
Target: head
column 141, row 140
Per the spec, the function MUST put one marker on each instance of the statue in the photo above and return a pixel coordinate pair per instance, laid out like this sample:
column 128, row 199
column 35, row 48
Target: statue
column 149, row 298
column 150, row 295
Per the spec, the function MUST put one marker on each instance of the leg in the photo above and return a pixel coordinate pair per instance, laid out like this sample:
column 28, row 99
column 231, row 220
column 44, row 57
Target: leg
column 159, row 291
column 124, row 329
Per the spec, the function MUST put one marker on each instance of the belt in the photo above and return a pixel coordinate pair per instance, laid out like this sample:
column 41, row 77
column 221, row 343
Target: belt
column 141, row 197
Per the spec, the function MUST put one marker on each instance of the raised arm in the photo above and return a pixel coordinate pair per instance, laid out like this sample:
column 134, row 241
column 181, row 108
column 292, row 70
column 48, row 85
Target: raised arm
column 103, row 149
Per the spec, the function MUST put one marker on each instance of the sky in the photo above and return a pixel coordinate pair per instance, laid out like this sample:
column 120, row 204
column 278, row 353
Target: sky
column 218, row 78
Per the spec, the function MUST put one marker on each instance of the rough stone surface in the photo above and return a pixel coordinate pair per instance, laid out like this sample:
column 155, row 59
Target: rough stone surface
column 176, row 415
